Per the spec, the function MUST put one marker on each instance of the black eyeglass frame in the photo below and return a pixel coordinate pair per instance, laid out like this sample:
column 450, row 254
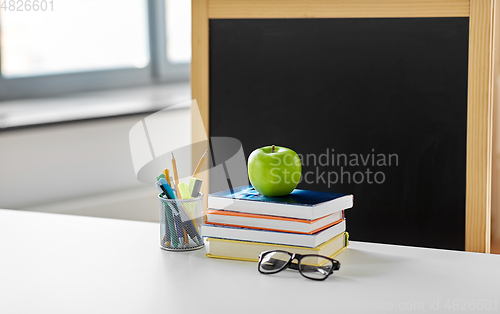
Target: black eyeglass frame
column 298, row 257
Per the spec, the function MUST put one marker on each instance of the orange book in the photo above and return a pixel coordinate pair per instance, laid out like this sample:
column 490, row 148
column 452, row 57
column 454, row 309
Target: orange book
column 272, row 223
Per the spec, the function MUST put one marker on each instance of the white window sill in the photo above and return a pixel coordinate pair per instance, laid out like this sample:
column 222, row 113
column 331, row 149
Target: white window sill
column 85, row 106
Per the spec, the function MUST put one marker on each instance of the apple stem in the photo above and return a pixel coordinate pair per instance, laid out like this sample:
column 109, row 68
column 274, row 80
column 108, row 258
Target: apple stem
column 272, row 150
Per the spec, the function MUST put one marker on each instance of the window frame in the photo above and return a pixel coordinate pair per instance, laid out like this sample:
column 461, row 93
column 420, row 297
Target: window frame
column 158, row 70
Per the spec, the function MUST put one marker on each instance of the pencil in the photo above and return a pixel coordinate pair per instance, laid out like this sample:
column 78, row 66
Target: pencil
column 200, row 163
column 186, row 239
column 176, row 176
column 167, row 177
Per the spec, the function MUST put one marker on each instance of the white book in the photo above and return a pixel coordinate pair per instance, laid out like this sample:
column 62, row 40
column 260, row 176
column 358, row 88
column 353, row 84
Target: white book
column 274, row 223
column 266, row 236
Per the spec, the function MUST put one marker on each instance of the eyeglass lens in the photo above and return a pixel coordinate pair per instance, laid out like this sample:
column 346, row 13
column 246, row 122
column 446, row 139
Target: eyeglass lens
column 273, row 261
column 315, row 267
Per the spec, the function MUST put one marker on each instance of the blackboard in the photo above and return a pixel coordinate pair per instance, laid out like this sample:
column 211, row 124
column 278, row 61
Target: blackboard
column 375, row 88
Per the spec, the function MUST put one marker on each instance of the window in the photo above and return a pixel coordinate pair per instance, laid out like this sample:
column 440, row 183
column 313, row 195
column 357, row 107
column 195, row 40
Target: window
column 51, row 47
column 178, row 31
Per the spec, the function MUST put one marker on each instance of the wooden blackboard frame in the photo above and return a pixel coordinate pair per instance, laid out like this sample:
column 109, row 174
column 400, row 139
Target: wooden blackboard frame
column 480, row 76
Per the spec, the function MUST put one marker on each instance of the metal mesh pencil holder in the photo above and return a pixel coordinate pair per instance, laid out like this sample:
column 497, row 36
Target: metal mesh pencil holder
column 180, row 223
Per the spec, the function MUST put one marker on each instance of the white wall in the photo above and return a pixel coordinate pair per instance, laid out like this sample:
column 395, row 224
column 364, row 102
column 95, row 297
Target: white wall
column 82, row 168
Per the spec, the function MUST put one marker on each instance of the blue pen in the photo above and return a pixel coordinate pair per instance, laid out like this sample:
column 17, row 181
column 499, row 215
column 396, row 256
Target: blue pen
column 178, row 224
column 169, row 216
column 170, row 192
column 178, row 228
column 189, row 226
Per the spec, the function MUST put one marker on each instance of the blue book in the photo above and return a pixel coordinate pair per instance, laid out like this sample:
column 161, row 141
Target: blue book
column 300, row 204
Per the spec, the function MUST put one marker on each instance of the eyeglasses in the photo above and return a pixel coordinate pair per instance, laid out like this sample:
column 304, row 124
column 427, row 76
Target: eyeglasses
column 314, row 267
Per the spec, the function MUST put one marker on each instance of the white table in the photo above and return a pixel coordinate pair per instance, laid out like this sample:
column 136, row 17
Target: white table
column 68, row 264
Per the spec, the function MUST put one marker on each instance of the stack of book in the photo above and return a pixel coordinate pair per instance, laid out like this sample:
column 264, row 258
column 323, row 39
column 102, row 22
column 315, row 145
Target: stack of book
column 241, row 223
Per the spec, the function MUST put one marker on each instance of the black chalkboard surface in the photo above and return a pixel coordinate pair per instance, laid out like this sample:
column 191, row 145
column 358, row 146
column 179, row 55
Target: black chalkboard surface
column 380, row 105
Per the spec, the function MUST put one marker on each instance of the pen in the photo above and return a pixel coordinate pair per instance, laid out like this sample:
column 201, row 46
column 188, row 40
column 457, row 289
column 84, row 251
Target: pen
column 200, row 163
column 166, row 236
column 190, row 228
column 188, row 225
column 169, row 216
column 179, row 229
column 168, row 190
column 181, row 232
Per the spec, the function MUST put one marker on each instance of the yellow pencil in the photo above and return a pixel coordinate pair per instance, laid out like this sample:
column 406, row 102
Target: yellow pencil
column 167, row 243
column 167, row 176
column 200, row 163
column 176, row 176
column 186, row 239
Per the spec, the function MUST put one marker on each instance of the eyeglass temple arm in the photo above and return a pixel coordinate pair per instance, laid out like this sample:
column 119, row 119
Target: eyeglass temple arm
column 336, row 266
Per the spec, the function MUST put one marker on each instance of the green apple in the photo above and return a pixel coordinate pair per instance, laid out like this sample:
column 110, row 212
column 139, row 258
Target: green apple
column 274, row 170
